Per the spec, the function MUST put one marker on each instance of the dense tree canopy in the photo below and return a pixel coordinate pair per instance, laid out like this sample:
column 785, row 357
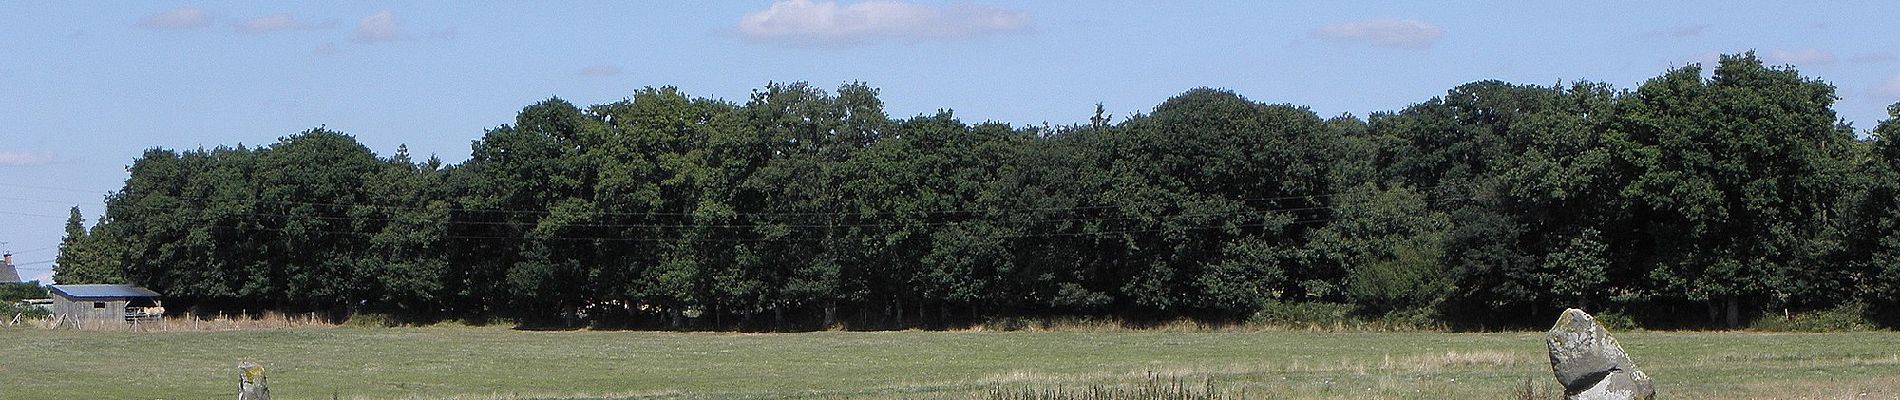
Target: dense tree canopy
column 1493, row 204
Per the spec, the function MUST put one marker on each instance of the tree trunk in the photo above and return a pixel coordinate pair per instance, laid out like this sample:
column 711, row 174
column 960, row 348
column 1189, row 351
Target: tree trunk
column 1734, row 312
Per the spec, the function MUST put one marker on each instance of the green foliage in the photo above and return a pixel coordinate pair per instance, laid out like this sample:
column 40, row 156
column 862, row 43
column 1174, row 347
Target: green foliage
column 1304, row 314
column 1410, row 279
column 1847, row 317
column 802, row 208
column 1617, row 321
column 1741, row 175
column 14, row 292
column 86, row 257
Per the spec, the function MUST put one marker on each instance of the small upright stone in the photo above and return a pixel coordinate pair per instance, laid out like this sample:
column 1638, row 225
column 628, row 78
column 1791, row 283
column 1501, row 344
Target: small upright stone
column 1590, row 364
column 251, row 382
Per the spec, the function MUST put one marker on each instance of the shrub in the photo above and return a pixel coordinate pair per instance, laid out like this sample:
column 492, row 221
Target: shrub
column 10, row 309
column 1851, row 316
column 1617, row 321
column 1303, row 314
column 369, row 320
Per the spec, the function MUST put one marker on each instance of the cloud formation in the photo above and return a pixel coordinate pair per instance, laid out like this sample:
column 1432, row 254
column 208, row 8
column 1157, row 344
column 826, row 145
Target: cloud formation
column 1387, row 32
column 600, row 70
column 177, row 18
column 278, row 23
column 378, row 27
column 24, row 159
column 813, row 22
column 1809, row 56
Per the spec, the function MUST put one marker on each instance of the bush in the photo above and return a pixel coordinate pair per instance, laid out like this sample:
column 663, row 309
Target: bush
column 1303, row 314
column 1418, row 318
column 14, row 292
column 369, row 320
column 1617, row 321
column 9, row 309
column 1846, row 317
column 1411, row 279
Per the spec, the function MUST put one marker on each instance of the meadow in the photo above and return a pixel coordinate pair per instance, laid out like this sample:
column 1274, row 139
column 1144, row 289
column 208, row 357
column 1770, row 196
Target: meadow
column 462, row 362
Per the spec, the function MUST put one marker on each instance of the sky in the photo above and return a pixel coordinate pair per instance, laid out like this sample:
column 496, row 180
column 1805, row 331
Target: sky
column 85, row 87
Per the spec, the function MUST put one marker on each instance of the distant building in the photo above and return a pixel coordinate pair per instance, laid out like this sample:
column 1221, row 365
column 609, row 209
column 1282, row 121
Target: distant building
column 105, row 304
column 7, row 273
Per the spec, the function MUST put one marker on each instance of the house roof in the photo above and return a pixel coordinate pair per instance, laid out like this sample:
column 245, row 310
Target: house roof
column 102, row 291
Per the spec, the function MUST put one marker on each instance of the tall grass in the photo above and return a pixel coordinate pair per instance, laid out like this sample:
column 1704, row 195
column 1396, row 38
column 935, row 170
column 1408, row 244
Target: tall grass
column 1155, row 388
column 1536, row 390
column 188, row 322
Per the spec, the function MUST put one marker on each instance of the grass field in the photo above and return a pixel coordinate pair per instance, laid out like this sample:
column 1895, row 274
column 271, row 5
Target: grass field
column 493, row 362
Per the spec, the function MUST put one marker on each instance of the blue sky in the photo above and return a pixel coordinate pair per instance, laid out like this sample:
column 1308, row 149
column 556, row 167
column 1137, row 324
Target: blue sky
column 86, row 86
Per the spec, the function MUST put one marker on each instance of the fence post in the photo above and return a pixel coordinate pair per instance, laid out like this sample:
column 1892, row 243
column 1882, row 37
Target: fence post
column 251, row 382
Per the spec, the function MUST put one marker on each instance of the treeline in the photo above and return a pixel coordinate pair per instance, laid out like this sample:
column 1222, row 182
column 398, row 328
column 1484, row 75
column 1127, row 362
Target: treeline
column 1692, row 199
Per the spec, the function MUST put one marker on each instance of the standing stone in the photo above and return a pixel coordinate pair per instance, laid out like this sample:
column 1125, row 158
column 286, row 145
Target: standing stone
column 251, row 382
column 1590, row 364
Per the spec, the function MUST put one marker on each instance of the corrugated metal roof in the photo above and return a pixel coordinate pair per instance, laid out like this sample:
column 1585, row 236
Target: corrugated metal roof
column 93, row 291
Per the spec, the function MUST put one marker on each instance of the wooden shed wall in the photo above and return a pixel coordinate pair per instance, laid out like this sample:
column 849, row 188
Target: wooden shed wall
column 83, row 310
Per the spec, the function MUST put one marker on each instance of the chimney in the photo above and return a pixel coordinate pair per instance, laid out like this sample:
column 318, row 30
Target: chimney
column 7, row 273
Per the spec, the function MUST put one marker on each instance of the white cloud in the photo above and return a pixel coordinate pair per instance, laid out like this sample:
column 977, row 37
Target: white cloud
column 600, row 70
column 1889, row 89
column 177, row 18
column 278, row 23
column 24, row 159
column 378, row 27
column 1808, row 56
column 810, row 22
column 1395, row 33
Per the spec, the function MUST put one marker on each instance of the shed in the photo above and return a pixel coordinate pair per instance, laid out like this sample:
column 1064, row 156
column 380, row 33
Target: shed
column 110, row 304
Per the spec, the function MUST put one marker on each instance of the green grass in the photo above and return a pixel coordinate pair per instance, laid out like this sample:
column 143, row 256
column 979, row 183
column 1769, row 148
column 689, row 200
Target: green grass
column 491, row 362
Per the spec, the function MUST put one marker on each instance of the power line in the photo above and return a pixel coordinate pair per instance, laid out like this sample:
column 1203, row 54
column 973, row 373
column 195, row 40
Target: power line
column 36, row 250
column 64, row 189
column 42, row 200
column 32, row 214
